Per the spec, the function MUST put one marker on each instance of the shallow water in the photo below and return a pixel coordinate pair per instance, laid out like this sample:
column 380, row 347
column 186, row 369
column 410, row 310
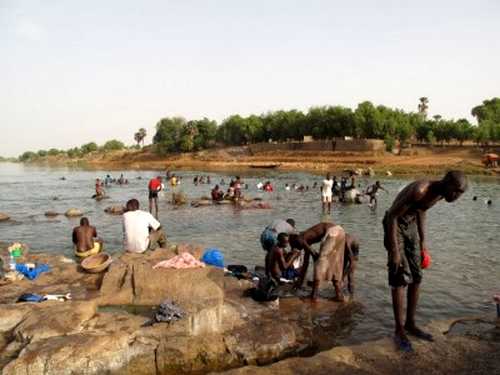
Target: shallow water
column 463, row 236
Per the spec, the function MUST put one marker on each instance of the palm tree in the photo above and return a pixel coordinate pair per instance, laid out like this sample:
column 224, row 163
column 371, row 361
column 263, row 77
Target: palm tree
column 140, row 136
column 423, row 106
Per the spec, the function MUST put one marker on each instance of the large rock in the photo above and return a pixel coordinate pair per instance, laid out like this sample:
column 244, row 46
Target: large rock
column 4, row 217
column 73, row 212
column 115, row 210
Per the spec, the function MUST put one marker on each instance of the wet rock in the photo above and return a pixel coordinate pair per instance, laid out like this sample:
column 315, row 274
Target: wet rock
column 73, row 212
column 4, row 217
column 51, row 214
column 115, row 210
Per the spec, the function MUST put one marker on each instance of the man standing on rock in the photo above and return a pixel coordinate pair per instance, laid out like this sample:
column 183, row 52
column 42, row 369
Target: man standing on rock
column 404, row 239
column 141, row 231
column 154, row 187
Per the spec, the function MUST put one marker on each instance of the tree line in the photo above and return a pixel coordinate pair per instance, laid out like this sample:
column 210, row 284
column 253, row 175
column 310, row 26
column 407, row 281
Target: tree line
column 175, row 134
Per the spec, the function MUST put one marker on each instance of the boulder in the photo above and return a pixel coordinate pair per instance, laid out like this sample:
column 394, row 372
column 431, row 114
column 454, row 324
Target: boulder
column 51, row 214
column 73, row 212
column 4, row 217
column 115, row 210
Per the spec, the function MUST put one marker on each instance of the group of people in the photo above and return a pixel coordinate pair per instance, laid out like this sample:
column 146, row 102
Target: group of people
column 289, row 252
column 201, row 180
column 404, row 239
column 331, row 188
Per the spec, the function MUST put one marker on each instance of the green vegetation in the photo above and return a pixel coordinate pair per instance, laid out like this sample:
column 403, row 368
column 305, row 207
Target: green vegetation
column 366, row 121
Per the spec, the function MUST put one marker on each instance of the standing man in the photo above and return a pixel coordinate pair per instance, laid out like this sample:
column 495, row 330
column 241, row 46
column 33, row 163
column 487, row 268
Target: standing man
column 404, row 239
column 141, row 231
column 154, row 187
column 372, row 190
column 326, row 193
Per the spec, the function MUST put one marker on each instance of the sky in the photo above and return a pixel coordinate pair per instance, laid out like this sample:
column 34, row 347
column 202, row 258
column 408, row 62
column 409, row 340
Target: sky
column 73, row 72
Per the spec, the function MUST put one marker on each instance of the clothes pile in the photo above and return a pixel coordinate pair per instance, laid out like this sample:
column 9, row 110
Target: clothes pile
column 183, row 260
column 168, row 312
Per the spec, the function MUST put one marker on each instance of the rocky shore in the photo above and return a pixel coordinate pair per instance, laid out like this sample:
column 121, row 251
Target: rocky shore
column 101, row 330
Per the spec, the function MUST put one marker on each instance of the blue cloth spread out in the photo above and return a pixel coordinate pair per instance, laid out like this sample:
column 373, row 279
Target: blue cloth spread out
column 32, row 274
column 30, row 297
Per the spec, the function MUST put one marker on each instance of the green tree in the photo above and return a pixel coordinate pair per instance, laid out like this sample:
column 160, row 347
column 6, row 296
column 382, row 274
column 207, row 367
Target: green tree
column 489, row 110
column 74, row 152
column 368, row 122
column 42, row 153
column 54, row 152
column 87, row 148
column 139, row 136
column 168, row 134
column 113, row 145
column 28, row 156
column 205, row 134
column 423, row 106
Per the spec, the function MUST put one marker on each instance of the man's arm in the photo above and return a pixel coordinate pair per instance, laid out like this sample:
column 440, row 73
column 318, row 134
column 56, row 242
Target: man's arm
column 94, row 232
column 75, row 237
column 421, row 216
column 410, row 195
column 282, row 263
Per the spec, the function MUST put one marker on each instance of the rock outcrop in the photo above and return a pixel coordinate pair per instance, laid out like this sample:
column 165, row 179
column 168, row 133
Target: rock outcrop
column 4, row 217
column 73, row 212
column 115, row 210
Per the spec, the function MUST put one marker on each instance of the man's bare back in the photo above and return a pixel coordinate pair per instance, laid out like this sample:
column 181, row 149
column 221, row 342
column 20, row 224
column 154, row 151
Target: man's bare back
column 83, row 237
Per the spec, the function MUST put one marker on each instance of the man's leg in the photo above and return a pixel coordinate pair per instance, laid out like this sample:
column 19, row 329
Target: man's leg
column 150, row 205
column 157, row 238
column 339, row 296
column 398, row 309
column 156, row 207
column 410, row 325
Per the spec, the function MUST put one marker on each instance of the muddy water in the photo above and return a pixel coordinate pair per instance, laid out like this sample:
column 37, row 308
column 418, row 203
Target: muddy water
column 463, row 236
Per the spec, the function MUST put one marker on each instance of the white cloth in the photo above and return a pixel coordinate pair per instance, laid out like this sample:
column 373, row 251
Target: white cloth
column 326, row 189
column 136, row 230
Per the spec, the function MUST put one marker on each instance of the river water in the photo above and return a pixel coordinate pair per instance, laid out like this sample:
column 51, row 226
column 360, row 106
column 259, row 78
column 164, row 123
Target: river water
column 463, row 236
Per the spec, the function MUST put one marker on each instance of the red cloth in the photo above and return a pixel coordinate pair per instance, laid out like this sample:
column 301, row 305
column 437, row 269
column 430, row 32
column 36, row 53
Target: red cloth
column 154, row 184
column 426, row 259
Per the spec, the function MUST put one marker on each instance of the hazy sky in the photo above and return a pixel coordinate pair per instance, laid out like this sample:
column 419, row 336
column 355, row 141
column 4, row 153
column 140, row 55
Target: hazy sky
column 73, row 72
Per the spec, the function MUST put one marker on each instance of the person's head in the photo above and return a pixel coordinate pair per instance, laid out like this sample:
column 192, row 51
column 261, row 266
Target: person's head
column 355, row 247
column 216, row 187
column 328, row 177
column 97, row 180
column 474, row 198
column 159, row 178
column 84, row 222
column 334, row 178
column 132, row 205
column 282, row 240
column 454, row 184
column 291, row 222
column 377, row 183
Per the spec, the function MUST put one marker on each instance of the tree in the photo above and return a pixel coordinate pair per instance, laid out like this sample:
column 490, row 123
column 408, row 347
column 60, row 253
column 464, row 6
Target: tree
column 205, row 134
column 368, row 122
column 42, row 153
column 87, row 148
column 74, row 152
column 168, row 134
column 423, row 106
column 54, row 152
column 463, row 131
column 28, row 156
column 113, row 145
column 140, row 135
column 489, row 110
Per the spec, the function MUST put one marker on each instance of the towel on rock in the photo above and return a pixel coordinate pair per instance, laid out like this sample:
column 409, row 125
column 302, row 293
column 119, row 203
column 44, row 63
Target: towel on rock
column 184, row 260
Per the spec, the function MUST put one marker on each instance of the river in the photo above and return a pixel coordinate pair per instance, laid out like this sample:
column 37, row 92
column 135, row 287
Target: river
column 463, row 236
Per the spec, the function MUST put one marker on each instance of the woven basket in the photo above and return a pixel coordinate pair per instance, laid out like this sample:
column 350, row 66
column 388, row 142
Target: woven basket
column 96, row 263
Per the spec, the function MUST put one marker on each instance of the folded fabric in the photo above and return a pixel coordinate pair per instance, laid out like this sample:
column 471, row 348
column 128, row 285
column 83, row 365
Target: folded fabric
column 213, row 257
column 30, row 297
column 32, row 274
column 183, row 260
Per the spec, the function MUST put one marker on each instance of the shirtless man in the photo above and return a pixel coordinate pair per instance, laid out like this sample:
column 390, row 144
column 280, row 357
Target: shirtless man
column 329, row 261
column 83, row 237
column 372, row 190
column 404, row 239
column 276, row 261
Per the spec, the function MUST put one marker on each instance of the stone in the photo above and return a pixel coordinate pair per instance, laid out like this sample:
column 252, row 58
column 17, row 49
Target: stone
column 4, row 217
column 388, row 173
column 51, row 214
column 73, row 212
column 115, row 210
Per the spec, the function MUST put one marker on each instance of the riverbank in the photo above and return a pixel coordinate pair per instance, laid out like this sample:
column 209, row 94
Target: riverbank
column 415, row 161
column 101, row 330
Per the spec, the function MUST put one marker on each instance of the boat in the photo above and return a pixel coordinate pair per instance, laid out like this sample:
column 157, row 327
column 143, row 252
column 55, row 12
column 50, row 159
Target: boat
column 264, row 165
